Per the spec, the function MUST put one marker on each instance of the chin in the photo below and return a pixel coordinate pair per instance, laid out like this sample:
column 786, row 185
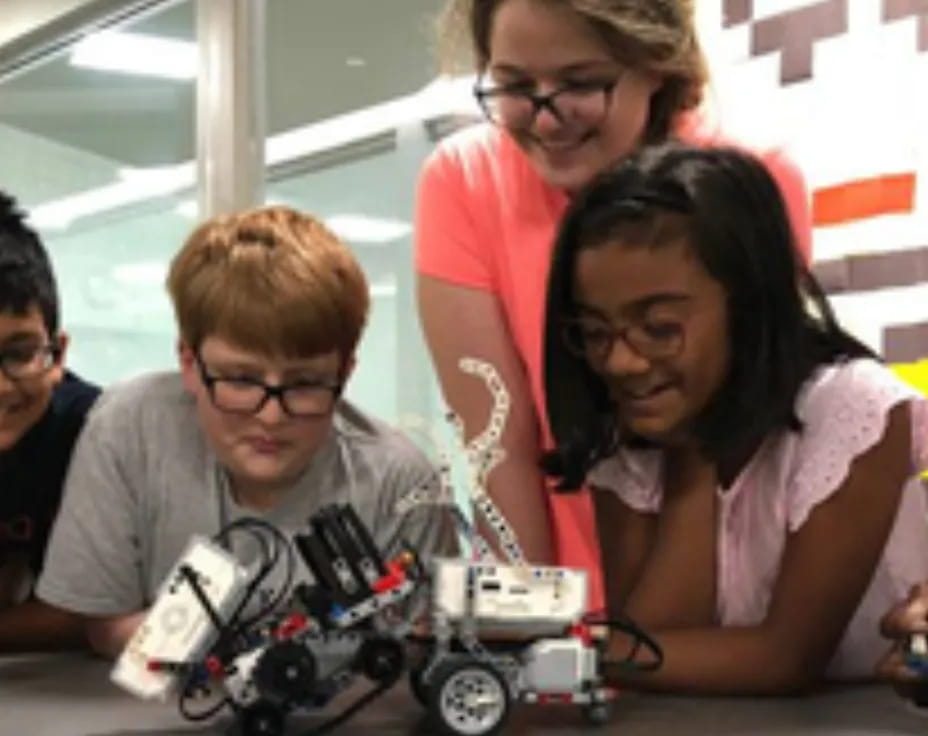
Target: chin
column 651, row 431
column 8, row 440
column 566, row 178
column 10, row 436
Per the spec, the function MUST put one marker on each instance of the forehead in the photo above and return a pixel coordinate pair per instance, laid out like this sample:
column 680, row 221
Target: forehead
column 616, row 277
column 219, row 349
column 29, row 324
column 543, row 37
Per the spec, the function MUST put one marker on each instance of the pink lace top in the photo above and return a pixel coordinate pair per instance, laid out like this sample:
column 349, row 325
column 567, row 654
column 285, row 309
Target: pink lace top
column 844, row 409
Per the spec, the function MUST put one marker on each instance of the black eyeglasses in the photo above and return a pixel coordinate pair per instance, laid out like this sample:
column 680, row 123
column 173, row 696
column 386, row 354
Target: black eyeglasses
column 22, row 363
column 516, row 105
column 594, row 340
column 247, row 396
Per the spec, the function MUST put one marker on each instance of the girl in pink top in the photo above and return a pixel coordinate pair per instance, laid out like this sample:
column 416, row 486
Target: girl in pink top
column 570, row 87
column 755, row 468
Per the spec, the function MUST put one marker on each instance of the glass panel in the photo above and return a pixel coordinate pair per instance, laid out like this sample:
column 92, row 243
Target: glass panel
column 98, row 145
column 348, row 135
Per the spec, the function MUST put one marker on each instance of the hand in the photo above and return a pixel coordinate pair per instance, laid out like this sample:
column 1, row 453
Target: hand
column 899, row 624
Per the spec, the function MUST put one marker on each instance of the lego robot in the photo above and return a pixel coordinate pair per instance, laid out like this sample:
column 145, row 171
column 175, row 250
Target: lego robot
column 197, row 640
column 504, row 631
column 499, row 632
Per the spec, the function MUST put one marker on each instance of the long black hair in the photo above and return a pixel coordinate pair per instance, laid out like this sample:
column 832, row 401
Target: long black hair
column 780, row 324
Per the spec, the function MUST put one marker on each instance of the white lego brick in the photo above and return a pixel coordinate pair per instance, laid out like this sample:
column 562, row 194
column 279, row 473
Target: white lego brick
column 176, row 627
column 557, row 665
column 519, row 595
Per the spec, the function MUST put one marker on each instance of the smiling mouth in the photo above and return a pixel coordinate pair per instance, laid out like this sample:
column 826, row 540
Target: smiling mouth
column 642, row 395
column 264, row 445
column 556, row 147
column 11, row 409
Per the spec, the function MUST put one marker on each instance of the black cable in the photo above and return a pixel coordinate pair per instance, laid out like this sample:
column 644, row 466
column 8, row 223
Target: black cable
column 281, row 543
column 190, row 575
column 352, row 709
column 271, row 544
column 204, row 715
column 270, row 554
column 640, row 637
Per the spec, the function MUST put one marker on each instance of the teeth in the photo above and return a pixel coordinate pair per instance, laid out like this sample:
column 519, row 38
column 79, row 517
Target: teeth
column 645, row 394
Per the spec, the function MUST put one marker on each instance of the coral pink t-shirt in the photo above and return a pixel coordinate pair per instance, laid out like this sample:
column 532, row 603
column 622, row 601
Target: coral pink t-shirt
column 485, row 219
column 844, row 409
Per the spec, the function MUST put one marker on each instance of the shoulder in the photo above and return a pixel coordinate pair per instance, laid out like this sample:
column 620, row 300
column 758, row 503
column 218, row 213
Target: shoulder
column 74, row 395
column 142, row 403
column 845, row 410
column 478, row 159
column 634, row 476
column 71, row 401
column 855, row 389
column 465, row 149
column 699, row 130
column 380, row 447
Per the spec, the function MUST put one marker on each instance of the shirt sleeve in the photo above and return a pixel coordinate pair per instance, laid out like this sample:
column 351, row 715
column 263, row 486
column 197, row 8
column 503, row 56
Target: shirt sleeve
column 792, row 184
column 93, row 563
column 844, row 413
column 449, row 241
column 634, row 476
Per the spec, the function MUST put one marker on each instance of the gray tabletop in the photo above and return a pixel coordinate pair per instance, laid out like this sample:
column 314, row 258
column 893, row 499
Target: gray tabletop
column 71, row 696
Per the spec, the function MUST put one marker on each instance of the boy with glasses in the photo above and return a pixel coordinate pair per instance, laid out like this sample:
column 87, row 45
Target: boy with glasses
column 42, row 410
column 270, row 308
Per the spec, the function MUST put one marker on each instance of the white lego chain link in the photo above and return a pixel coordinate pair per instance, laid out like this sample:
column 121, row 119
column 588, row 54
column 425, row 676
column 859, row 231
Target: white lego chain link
column 483, row 453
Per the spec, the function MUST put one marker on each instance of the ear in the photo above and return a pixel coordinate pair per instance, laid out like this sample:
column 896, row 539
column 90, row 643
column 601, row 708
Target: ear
column 62, row 341
column 350, row 362
column 188, row 366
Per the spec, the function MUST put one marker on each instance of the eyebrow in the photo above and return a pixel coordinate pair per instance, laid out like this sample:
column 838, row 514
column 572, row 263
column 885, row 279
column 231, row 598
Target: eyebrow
column 304, row 373
column 580, row 66
column 639, row 306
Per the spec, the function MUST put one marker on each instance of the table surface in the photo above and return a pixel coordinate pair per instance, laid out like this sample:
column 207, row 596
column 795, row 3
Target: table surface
column 70, row 695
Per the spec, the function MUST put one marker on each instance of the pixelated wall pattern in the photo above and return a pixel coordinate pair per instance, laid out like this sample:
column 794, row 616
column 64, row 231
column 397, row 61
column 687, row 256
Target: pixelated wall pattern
column 842, row 87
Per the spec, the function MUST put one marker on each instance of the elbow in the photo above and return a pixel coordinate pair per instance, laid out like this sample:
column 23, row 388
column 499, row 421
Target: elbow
column 107, row 636
column 794, row 673
column 99, row 638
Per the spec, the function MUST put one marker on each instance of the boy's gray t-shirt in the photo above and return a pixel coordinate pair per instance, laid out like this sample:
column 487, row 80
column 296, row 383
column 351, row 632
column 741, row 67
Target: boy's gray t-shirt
column 143, row 480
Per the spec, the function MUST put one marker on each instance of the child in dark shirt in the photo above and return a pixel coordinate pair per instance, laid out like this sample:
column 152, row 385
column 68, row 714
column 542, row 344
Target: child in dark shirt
column 42, row 409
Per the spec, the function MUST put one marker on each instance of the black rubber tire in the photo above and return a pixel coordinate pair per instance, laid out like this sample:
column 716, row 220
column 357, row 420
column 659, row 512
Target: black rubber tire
column 263, row 719
column 450, row 672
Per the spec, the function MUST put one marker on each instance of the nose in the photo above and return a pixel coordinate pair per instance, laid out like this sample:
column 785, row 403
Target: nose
column 546, row 122
column 272, row 413
column 622, row 360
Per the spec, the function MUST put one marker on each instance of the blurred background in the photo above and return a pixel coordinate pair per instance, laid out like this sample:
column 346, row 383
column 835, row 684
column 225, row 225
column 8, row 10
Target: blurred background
column 98, row 139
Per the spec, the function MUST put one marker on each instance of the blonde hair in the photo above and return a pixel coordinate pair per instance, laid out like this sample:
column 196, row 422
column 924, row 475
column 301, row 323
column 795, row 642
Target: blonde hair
column 657, row 36
column 272, row 281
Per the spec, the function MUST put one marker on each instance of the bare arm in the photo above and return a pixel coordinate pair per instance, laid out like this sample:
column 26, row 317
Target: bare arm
column 35, row 626
column 109, row 635
column 462, row 322
column 626, row 537
column 31, row 625
column 826, row 567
